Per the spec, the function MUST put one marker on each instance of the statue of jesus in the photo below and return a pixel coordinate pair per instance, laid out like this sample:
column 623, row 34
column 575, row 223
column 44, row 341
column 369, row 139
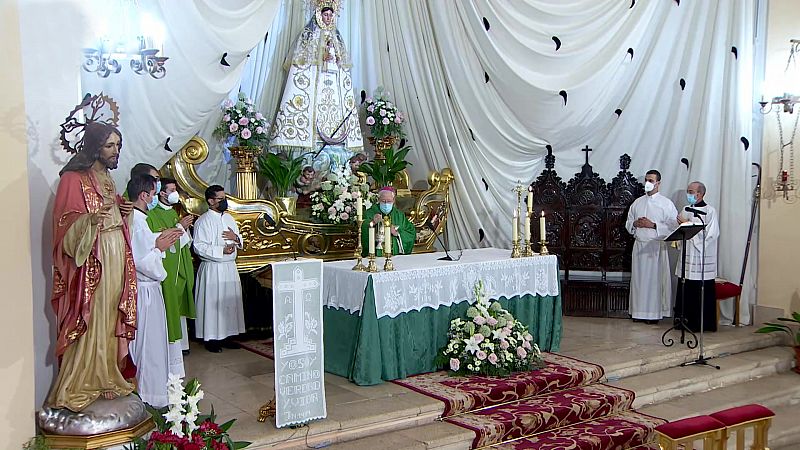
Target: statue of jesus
column 317, row 113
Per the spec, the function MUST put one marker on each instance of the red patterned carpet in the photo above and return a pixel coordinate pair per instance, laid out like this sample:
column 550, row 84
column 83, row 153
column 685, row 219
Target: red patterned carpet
column 561, row 406
column 263, row 347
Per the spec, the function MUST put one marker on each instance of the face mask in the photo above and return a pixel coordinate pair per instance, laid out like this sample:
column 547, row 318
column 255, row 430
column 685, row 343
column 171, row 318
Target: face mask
column 648, row 186
column 222, row 206
column 386, row 208
column 173, row 198
column 691, row 198
column 153, row 203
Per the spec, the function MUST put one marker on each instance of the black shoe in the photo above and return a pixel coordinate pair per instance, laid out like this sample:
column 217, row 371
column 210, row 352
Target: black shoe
column 638, row 320
column 186, row 352
column 226, row 343
column 651, row 322
column 213, row 346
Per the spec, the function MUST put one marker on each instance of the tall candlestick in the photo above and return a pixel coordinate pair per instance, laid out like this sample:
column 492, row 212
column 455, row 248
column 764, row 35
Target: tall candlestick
column 359, row 207
column 514, row 232
column 371, row 238
column 527, row 233
column 530, row 200
column 542, row 228
column 387, row 238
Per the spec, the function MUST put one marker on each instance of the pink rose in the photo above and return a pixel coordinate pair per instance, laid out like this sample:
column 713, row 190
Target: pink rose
column 259, row 116
column 521, row 352
column 348, row 209
column 478, row 337
column 370, row 100
column 370, row 120
column 479, row 320
column 493, row 358
column 526, row 345
column 244, row 121
column 454, row 364
column 227, row 103
column 481, row 355
column 371, row 108
column 233, row 128
column 226, row 118
column 528, row 337
column 331, row 211
column 382, row 112
column 344, row 216
column 259, row 130
column 504, row 344
column 246, row 134
column 491, row 321
column 398, row 120
column 385, row 121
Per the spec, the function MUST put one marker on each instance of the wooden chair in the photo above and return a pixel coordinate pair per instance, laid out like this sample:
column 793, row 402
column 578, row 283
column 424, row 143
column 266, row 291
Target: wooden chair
column 683, row 433
column 724, row 289
column 738, row 419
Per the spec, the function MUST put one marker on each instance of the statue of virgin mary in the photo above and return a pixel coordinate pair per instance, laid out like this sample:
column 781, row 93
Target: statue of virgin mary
column 317, row 113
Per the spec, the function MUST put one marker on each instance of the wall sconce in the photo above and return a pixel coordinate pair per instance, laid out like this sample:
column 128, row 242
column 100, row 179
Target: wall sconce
column 787, row 100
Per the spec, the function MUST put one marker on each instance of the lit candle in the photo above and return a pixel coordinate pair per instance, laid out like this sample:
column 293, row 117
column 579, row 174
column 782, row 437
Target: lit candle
column 542, row 228
column 371, row 238
column 387, row 238
column 514, row 233
column 527, row 228
column 359, row 207
column 530, row 200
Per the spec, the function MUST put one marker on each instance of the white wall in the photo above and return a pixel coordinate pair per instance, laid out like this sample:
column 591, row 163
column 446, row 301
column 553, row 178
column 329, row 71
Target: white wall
column 16, row 325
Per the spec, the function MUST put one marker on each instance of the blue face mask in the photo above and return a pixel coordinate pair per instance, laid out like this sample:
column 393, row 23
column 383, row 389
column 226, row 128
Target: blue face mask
column 386, row 208
column 691, row 199
column 154, row 202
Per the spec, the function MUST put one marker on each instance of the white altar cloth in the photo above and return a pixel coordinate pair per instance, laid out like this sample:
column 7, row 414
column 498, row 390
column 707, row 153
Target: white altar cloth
column 421, row 280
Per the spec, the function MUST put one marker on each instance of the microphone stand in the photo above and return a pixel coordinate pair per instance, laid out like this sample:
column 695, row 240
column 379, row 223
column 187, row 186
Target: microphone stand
column 681, row 322
column 701, row 359
column 447, row 256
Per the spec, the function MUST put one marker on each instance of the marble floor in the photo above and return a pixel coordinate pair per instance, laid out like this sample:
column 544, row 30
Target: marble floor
column 237, row 382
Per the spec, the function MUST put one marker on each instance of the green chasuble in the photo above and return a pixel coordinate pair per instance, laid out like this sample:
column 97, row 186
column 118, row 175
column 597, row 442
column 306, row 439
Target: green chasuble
column 406, row 230
column 177, row 287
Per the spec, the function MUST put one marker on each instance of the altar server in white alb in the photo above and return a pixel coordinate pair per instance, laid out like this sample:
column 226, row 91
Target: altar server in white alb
column 699, row 273
column 155, row 358
column 218, row 289
column 651, row 218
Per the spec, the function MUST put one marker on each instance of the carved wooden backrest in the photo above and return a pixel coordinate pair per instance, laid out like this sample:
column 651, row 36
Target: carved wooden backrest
column 621, row 193
column 549, row 195
column 586, row 201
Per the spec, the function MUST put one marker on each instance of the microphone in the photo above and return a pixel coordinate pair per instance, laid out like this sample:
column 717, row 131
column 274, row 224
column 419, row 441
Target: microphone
column 695, row 211
column 431, row 226
column 272, row 223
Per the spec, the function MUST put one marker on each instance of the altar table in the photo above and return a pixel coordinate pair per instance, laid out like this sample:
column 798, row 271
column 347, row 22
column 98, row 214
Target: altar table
column 390, row 325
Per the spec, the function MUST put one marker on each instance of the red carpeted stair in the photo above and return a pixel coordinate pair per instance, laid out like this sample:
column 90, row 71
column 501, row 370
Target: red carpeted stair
column 560, row 406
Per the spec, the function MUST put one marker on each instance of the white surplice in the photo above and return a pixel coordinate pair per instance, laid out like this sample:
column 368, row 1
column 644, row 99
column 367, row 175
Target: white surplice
column 694, row 247
column 155, row 358
column 218, row 289
column 651, row 288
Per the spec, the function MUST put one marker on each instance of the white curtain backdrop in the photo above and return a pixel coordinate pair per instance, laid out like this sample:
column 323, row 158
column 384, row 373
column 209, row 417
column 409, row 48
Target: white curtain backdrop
column 435, row 57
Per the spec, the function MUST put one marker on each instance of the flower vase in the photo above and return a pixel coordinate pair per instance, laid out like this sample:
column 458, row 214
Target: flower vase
column 288, row 204
column 246, row 156
column 382, row 145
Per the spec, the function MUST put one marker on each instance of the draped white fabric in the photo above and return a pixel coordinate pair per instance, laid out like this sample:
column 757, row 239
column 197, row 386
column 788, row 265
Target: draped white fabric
column 435, row 57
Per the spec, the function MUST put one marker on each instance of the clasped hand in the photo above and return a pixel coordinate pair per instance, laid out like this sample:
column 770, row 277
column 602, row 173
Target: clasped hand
column 167, row 238
column 644, row 222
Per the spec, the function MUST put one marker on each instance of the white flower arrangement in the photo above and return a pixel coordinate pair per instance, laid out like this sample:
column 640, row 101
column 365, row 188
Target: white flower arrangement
column 489, row 341
column 336, row 200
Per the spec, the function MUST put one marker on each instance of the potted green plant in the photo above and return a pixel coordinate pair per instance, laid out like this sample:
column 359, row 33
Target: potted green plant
column 384, row 171
column 771, row 327
column 282, row 171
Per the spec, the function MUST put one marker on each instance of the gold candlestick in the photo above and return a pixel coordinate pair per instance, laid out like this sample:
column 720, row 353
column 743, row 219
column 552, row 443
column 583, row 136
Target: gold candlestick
column 371, row 266
column 359, row 267
column 543, row 248
column 516, row 252
column 528, row 250
column 388, row 266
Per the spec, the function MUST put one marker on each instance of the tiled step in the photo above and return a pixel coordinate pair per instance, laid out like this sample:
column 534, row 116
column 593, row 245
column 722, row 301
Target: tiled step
column 784, row 434
column 664, row 385
column 661, row 357
column 434, row 436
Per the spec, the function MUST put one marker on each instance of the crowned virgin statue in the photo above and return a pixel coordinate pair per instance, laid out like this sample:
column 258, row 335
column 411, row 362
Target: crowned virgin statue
column 317, row 113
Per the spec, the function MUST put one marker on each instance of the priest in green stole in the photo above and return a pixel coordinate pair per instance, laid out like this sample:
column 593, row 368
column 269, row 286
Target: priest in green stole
column 177, row 287
column 403, row 232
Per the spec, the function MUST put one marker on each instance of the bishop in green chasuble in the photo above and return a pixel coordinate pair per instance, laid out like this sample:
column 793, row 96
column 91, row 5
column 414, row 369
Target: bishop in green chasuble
column 403, row 231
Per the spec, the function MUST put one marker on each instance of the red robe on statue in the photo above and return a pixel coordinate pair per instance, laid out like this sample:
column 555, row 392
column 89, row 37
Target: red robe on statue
column 94, row 291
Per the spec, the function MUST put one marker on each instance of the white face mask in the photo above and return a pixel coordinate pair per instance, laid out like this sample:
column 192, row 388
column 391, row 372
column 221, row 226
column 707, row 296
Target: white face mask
column 648, row 186
column 173, row 198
